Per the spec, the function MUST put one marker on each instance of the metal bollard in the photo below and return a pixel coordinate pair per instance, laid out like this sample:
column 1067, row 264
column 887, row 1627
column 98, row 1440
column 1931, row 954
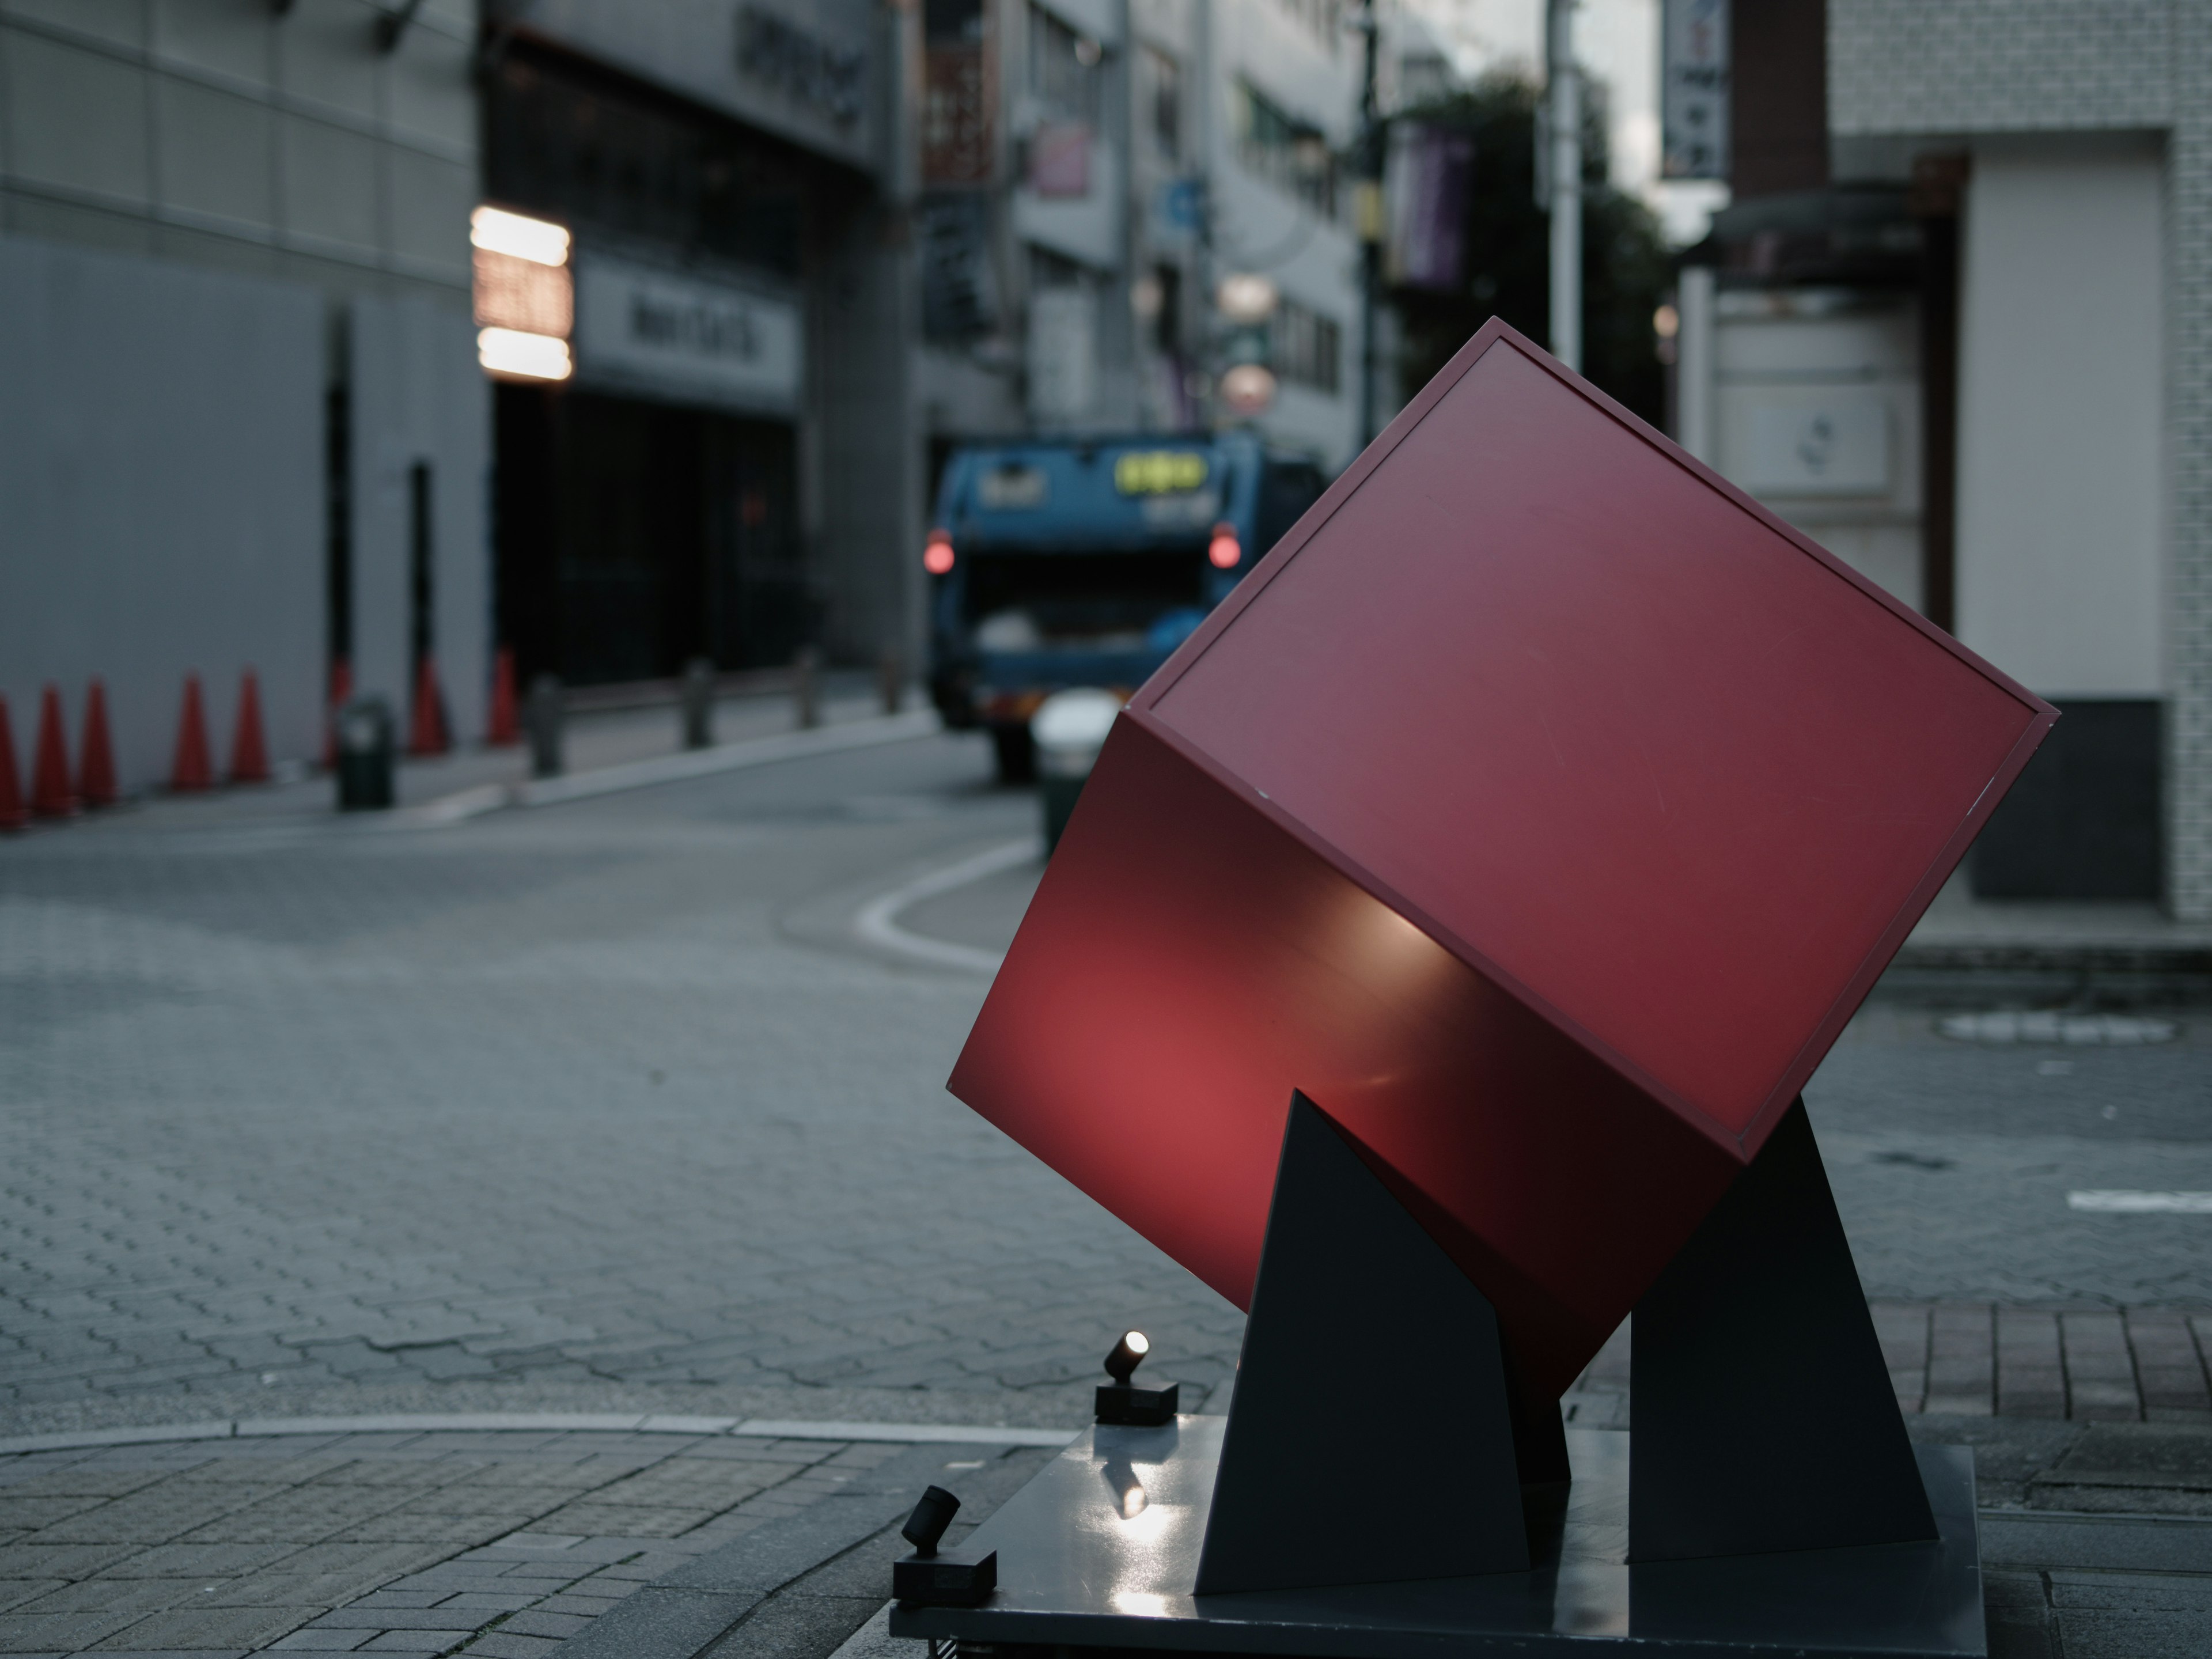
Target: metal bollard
column 1069, row 729
column 698, row 704
column 543, row 717
column 890, row 680
column 805, row 670
column 365, row 748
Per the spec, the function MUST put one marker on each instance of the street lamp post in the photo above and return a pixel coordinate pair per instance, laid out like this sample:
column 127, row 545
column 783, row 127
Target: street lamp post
column 1562, row 107
column 1368, row 204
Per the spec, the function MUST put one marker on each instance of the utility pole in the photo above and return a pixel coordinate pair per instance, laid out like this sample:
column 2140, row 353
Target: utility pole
column 1369, row 207
column 1562, row 107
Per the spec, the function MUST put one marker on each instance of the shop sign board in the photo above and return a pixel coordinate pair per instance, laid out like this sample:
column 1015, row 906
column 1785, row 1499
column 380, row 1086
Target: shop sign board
column 674, row 334
column 1694, row 112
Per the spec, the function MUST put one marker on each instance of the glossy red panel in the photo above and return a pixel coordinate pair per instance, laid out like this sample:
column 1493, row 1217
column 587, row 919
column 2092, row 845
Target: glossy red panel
column 1600, row 724
column 1187, row 963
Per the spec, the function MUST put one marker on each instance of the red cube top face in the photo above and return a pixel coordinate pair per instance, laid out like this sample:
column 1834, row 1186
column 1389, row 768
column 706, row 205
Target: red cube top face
column 1605, row 729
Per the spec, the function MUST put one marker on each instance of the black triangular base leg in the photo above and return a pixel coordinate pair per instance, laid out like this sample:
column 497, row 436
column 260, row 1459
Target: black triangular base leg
column 1370, row 1437
column 1764, row 1417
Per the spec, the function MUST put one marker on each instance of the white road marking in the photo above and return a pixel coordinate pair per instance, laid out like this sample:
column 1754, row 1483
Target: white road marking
column 876, row 921
column 2115, row 1202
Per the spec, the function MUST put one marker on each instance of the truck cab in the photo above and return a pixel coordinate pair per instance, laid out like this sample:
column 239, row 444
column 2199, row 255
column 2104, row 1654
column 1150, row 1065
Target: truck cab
column 1085, row 562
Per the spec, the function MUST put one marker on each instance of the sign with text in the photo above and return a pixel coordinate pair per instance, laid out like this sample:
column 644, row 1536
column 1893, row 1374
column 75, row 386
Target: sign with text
column 1694, row 90
column 685, row 335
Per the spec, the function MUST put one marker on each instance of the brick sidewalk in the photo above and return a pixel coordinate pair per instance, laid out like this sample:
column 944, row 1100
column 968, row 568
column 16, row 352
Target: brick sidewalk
column 387, row 1542
column 1991, row 1359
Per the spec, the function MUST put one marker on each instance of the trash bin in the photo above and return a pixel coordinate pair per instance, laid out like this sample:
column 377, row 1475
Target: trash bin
column 1069, row 728
column 365, row 748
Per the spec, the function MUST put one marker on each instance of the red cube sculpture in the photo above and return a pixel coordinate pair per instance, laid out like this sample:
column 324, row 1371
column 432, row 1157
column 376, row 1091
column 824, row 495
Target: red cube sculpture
column 1542, row 806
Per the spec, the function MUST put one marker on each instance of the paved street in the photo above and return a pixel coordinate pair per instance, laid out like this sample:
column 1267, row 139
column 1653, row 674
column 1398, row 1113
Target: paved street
column 604, row 1104
column 607, row 1107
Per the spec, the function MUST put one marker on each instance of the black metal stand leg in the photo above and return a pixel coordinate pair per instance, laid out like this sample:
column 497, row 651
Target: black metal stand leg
column 1359, row 1316
column 1764, row 1415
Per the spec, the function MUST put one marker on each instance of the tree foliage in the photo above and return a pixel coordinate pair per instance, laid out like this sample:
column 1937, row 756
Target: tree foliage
column 1626, row 271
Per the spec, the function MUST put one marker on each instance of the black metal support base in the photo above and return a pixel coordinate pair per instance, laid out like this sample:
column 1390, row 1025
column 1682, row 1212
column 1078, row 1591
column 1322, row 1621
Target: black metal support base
column 1764, row 1416
column 1099, row 1554
column 1347, row 1275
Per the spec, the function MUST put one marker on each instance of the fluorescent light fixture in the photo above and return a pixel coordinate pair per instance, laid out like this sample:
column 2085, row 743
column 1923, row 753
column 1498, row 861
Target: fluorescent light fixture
column 529, row 357
column 536, row 240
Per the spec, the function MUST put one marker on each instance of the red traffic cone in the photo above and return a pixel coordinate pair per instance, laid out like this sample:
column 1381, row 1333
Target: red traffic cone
column 95, row 767
column 50, row 795
column 12, row 813
column 249, row 752
column 427, row 731
column 506, row 724
column 341, row 691
column 193, row 770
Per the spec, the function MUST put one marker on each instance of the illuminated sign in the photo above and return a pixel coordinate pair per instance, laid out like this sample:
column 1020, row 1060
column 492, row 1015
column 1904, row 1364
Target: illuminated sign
column 525, row 296
column 1159, row 471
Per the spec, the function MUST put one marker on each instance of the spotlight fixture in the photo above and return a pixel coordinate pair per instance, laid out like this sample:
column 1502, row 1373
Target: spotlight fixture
column 929, row 1518
column 1122, row 1400
column 957, row 1578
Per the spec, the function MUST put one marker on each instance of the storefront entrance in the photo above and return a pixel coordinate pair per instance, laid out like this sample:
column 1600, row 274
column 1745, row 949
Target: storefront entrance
column 634, row 536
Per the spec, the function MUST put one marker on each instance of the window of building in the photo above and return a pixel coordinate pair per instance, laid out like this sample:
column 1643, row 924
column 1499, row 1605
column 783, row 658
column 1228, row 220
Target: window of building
column 1291, row 153
column 1306, row 347
column 1162, row 101
column 1063, row 68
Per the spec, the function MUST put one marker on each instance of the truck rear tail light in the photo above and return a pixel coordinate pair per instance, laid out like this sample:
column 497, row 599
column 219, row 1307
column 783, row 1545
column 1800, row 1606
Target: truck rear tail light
column 937, row 553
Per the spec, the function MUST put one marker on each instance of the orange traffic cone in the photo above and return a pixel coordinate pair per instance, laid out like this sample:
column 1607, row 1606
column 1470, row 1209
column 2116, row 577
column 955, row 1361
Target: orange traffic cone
column 192, row 770
column 249, row 752
column 95, row 767
column 427, row 731
column 50, row 795
column 341, row 691
column 506, row 724
column 12, row 814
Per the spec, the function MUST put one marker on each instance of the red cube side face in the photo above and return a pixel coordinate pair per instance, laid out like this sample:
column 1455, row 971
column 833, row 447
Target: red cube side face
column 1541, row 807
column 1188, row 962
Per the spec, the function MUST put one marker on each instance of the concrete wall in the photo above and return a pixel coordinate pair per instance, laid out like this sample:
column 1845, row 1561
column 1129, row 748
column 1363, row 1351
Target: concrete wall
column 1907, row 77
column 2062, row 491
column 417, row 396
column 162, row 467
column 239, row 134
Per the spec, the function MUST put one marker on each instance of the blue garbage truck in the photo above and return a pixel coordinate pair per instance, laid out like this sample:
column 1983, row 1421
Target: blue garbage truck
column 1059, row 562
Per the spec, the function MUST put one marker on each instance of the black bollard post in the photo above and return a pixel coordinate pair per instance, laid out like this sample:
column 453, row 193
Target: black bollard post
column 805, row 669
column 698, row 704
column 545, row 718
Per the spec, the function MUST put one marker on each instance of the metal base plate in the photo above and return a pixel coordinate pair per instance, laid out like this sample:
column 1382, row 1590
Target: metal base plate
column 1101, row 1550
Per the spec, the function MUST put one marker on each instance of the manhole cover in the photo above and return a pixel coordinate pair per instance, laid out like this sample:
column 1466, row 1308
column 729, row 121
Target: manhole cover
column 2113, row 1031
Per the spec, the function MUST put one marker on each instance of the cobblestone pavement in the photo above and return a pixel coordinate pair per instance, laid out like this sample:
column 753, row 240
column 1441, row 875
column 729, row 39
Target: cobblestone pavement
column 507, row 1543
column 595, row 1103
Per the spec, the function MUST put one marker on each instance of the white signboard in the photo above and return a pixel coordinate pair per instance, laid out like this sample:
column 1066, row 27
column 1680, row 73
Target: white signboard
column 1818, row 443
column 1694, row 90
column 1063, row 353
column 655, row 331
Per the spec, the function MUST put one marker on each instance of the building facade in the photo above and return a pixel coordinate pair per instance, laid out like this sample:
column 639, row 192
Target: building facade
column 722, row 470
column 1958, row 324
column 1091, row 173
column 240, row 423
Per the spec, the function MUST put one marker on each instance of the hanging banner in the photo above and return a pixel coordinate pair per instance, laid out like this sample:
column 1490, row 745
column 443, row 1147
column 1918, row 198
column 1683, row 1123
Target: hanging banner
column 1693, row 100
column 1426, row 175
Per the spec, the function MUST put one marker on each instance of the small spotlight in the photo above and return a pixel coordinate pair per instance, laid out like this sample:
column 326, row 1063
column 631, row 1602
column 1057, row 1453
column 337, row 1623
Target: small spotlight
column 1123, row 1401
column 959, row 1578
column 1128, row 1353
column 929, row 1518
